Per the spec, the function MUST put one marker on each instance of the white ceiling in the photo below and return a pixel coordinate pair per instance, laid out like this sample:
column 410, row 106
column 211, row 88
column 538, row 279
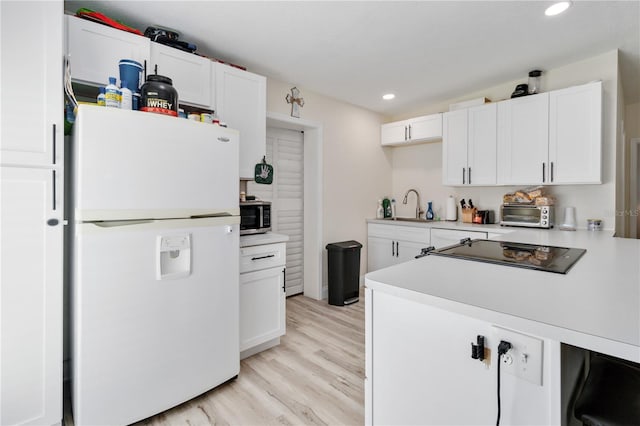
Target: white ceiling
column 423, row 51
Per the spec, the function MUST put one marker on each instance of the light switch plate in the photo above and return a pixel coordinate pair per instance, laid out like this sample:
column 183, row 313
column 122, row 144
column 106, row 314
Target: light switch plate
column 524, row 359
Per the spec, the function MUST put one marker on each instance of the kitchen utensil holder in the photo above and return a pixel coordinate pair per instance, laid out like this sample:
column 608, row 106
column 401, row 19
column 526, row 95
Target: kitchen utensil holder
column 467, row 215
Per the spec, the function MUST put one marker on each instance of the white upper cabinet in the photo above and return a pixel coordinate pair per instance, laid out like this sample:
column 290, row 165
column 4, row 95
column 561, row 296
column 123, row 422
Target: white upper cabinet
column 551, row 138
column 425, row 128
column 95, row 50
column 415, row 130
column 523, row 140
column 191, row 74
column 575, row 134
column 241, row 102
column 482, row 145
column 454, row 147
column 31, row 129
column 469, row 146
column 394, row 133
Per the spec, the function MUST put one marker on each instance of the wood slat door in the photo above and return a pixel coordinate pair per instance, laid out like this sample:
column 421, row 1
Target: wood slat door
column 285, row 152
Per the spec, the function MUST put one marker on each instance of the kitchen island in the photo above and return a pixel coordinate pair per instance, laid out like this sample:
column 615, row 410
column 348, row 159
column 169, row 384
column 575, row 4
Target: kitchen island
column 422, row 316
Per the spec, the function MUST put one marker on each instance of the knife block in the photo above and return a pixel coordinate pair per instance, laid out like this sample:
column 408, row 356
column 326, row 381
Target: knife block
column 467, row 215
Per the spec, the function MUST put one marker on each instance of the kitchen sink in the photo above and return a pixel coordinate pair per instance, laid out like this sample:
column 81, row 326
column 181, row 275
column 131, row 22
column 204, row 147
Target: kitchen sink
column 408, row 219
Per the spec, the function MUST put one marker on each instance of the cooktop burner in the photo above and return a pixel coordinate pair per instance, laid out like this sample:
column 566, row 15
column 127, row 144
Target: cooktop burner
column 530, row 256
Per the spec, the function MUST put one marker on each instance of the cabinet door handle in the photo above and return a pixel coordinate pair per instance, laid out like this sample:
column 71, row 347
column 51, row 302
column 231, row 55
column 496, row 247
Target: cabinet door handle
column 284, row 280
column 469, row 175
column 52, row 222
column 54, row 144
column 263, row 257
column 543, row 173
column 405, row 133
column 552, row 171
column 409, row 131
column 397, row 249
column 222, row 139
column 463, row 176
column 393, row 250
column 54, row 190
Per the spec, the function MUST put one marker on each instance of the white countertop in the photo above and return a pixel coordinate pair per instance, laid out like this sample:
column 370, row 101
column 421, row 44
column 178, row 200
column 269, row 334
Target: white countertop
column 595, row 305
column 261, row 239
column 443, row 224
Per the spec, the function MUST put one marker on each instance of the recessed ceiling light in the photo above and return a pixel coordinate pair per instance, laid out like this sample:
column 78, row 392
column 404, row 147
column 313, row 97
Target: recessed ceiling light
column 557, row 8
column 388, row 96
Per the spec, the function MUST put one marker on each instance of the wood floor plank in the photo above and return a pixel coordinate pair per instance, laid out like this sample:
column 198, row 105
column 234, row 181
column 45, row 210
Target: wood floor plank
column 314, row 377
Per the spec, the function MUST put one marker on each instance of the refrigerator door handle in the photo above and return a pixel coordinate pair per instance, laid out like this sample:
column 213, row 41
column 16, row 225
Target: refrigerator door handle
column 54, row 190
column 203, row 216
column 54, row 144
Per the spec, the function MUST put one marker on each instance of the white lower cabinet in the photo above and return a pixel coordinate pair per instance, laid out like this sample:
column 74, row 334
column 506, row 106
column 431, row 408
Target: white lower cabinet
column 31, row 298
column 392, row 244
column 419, row 369
column 446, row 237
column 262, row 297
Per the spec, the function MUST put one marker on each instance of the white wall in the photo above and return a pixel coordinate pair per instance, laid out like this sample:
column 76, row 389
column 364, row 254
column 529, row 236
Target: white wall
column 632, row 120
column 632, row 127
column 356, row 171
column 420, row 166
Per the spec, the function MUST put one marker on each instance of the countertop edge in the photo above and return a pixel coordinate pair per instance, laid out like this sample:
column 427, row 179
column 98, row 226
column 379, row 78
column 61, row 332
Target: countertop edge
column 540, row 329
column 262, row 239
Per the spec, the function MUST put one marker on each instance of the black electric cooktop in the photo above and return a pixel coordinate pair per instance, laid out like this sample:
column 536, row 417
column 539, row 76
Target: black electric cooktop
column 530, row 256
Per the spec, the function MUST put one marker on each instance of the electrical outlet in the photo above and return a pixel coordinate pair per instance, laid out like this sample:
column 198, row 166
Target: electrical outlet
column 524, row 359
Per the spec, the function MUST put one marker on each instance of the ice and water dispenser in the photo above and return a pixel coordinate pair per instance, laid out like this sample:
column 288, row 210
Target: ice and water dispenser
column 173, row 256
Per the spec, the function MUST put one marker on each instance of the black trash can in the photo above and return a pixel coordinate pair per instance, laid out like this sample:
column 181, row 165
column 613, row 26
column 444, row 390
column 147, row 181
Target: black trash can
column 344, row 272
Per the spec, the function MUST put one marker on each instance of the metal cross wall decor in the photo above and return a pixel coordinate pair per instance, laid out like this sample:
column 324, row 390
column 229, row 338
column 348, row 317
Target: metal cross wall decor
column 296, row 102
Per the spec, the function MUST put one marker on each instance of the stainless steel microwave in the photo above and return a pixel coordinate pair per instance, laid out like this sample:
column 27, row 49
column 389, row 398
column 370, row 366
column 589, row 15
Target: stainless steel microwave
column 255, row 217
column 527, row 215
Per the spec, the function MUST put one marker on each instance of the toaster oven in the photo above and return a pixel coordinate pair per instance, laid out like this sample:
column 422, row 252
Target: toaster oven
column 531, row 216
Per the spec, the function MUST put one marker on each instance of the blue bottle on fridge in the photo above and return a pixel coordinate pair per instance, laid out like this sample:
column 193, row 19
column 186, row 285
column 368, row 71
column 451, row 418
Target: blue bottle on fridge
column 430, row 210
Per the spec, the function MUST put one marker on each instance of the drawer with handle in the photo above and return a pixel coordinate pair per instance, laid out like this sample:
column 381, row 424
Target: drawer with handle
column 255, row 258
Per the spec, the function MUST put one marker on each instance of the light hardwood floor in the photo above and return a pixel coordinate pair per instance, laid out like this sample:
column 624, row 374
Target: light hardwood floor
column 315, row 376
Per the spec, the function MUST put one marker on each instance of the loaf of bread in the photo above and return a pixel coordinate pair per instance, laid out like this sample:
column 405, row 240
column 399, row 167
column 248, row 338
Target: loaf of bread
column 545, row 201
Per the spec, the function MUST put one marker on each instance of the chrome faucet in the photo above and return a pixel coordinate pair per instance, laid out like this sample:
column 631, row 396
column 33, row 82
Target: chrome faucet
column 418, row 211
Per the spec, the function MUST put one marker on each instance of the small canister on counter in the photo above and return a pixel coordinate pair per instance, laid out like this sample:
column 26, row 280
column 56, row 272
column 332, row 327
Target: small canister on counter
column 594, row 224
column 206, row 118
column 194, row 117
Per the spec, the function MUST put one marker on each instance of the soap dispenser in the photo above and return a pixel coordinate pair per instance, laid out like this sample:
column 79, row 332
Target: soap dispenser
column 429, row 214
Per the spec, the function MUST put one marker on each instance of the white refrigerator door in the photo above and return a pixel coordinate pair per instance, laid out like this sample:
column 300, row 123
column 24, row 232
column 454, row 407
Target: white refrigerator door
column 137, row 165
column 155, row 316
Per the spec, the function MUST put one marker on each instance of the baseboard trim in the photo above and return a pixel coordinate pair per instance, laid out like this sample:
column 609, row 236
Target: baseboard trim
column 259, row 348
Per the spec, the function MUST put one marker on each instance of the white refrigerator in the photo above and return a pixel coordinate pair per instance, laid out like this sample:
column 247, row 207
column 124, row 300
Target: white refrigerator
column 154, row 264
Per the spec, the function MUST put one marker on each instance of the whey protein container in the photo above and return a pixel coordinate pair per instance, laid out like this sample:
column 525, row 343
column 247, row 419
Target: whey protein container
column 159, row 95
